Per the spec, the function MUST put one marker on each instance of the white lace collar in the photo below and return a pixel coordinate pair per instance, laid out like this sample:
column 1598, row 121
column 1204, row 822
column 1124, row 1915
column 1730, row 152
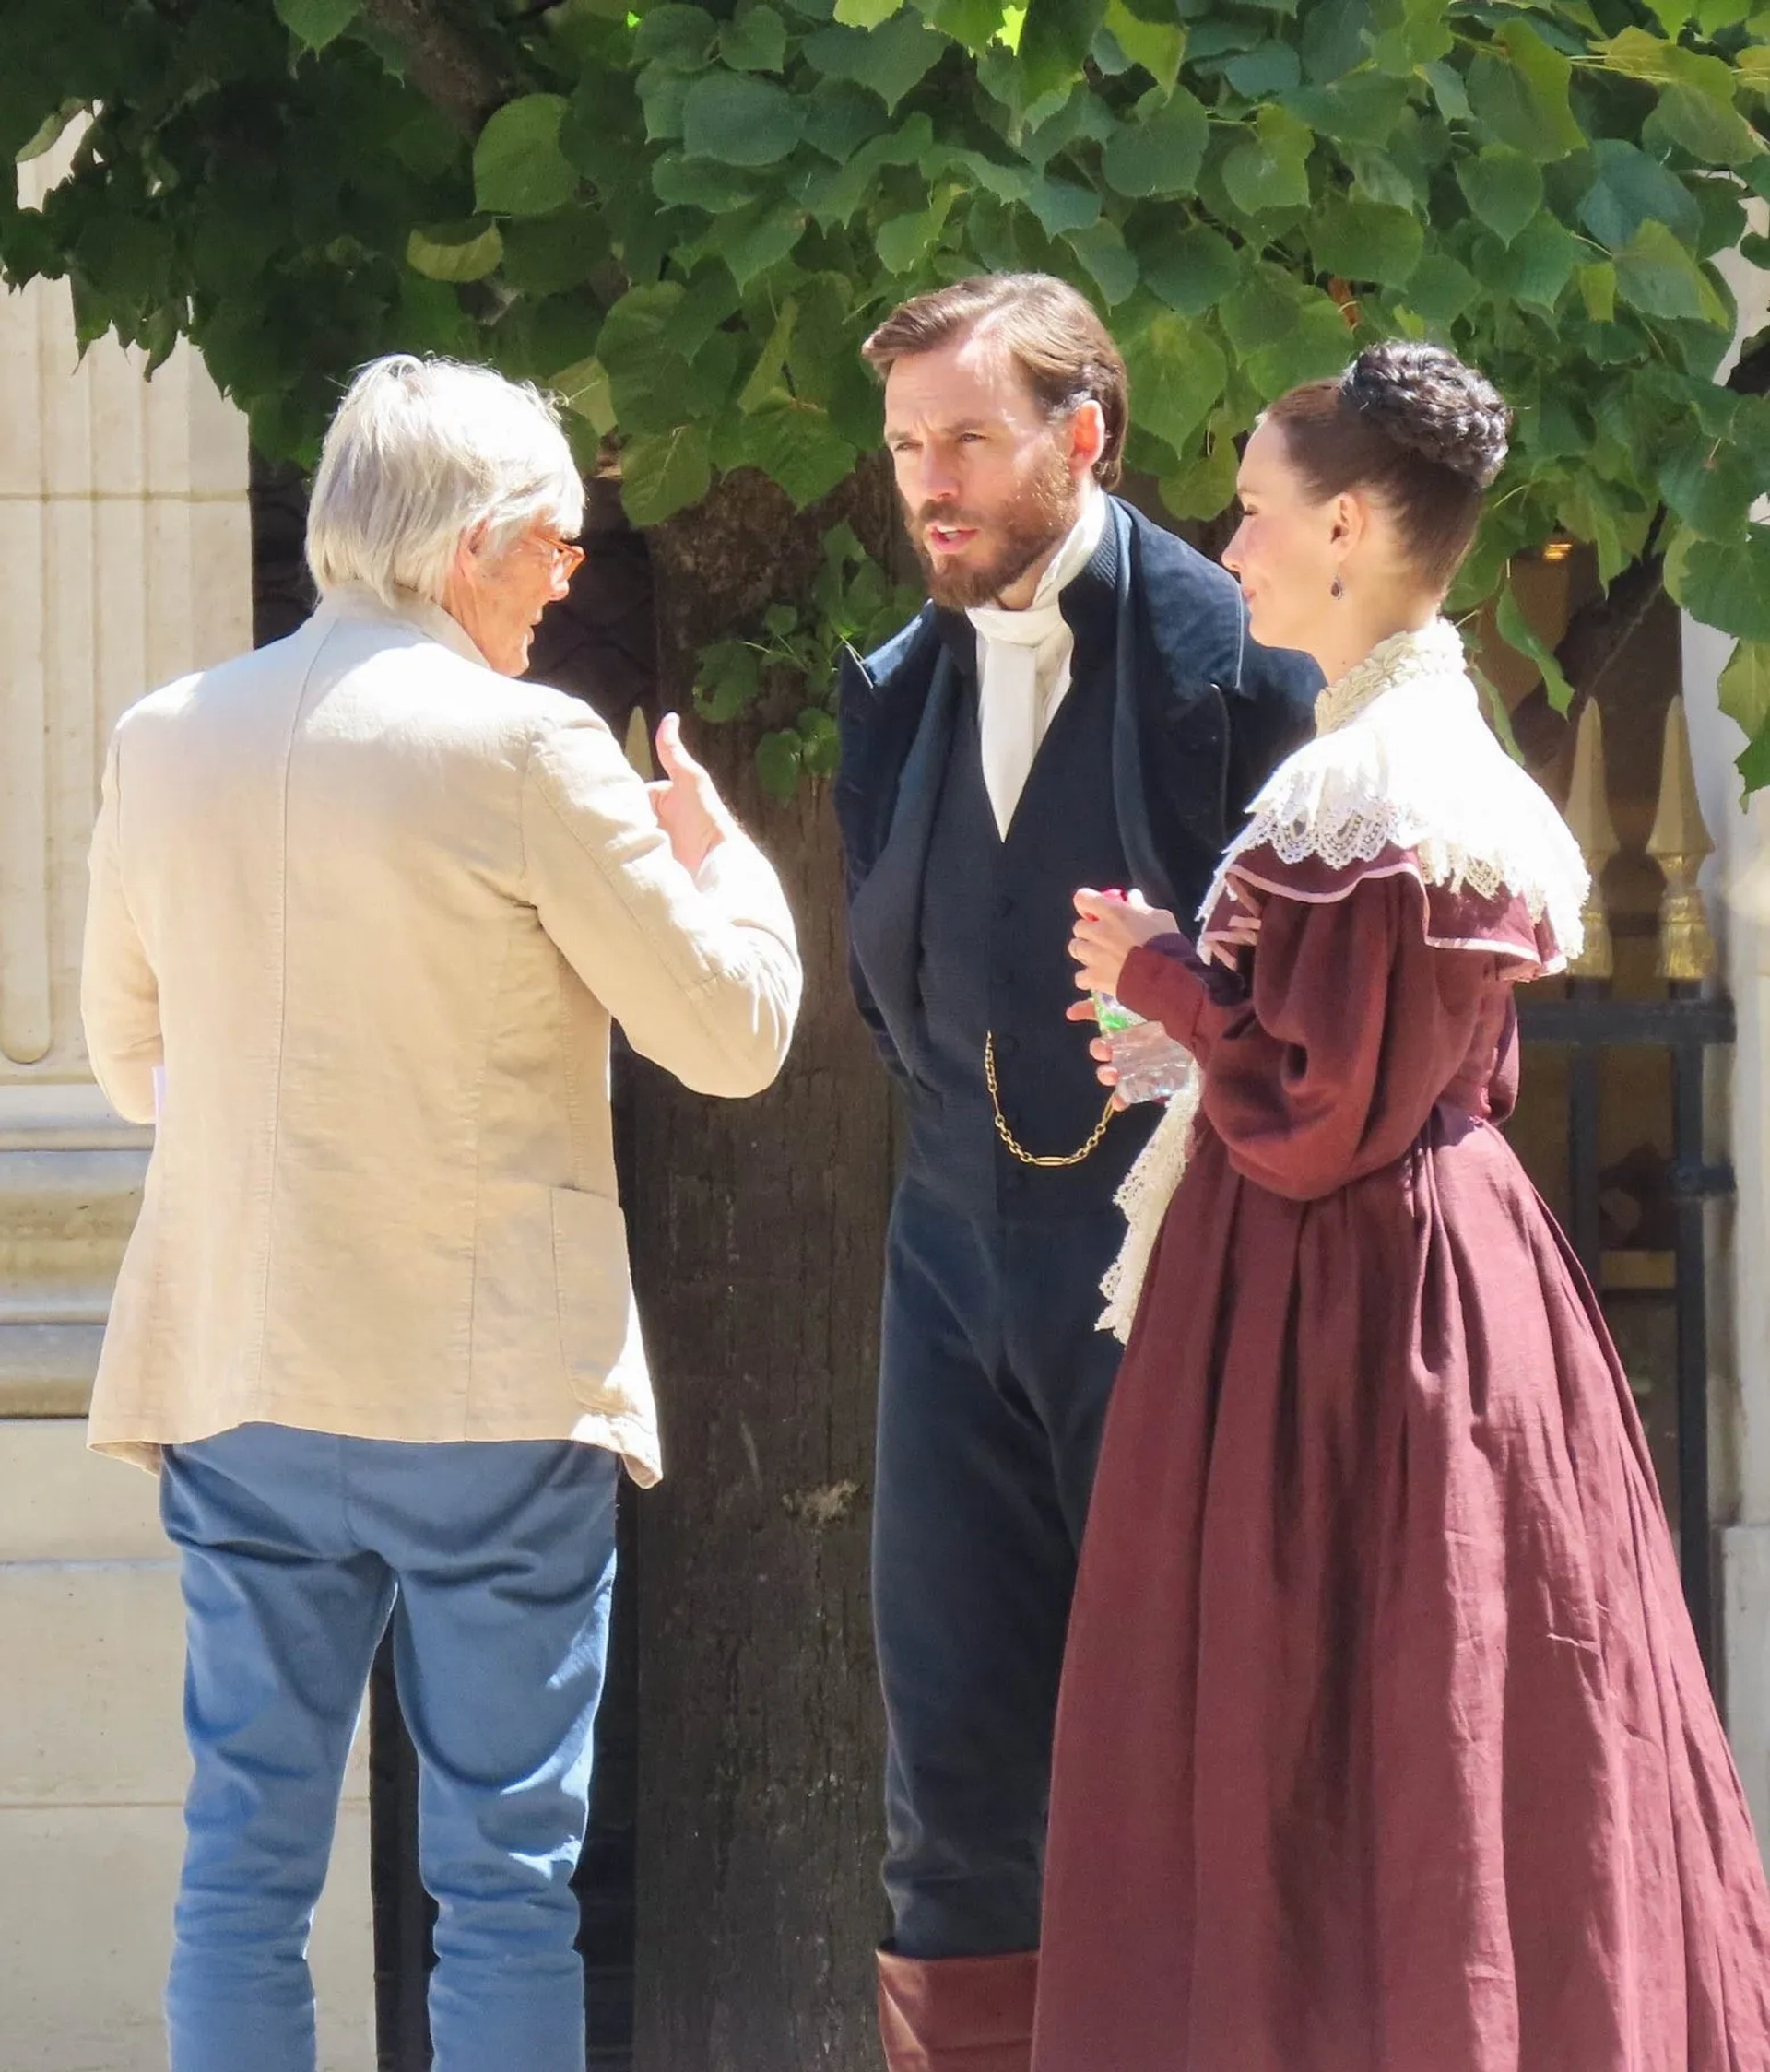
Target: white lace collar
column 1406, row 761
column 1436, row 649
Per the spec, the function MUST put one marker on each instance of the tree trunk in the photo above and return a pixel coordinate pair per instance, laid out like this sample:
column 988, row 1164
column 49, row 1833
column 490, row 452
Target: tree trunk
column 758, row 1231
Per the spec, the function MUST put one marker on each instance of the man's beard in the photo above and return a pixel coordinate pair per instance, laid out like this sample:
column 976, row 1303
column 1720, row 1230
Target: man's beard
column 1038, row 520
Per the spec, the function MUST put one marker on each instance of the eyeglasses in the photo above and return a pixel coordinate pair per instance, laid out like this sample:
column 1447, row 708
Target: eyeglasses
column 567, row 555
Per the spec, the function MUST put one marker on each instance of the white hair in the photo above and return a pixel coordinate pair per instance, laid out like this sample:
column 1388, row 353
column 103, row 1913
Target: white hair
column 424, row 453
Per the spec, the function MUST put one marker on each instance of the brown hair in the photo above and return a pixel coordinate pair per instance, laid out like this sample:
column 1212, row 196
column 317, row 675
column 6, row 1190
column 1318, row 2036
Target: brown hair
column 1050, row 332
column 1412, row 425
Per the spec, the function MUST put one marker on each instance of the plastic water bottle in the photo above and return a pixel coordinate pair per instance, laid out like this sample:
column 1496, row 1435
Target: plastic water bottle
column 1150, row 1063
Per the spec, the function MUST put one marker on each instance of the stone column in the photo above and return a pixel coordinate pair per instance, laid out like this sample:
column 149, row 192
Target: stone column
column 124, row 561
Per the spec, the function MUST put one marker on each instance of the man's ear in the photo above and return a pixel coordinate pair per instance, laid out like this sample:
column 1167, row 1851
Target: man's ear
column 1087, row 437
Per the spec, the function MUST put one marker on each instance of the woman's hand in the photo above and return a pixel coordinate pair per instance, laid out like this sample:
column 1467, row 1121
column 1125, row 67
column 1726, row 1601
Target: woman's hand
column 1108, row 927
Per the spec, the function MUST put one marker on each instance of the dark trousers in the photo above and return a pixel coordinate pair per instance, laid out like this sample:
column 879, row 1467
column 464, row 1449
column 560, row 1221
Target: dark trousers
column 992, row 1389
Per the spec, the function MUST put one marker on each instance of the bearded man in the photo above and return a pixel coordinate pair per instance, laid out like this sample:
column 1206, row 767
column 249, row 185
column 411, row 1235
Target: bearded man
column 1078, row 705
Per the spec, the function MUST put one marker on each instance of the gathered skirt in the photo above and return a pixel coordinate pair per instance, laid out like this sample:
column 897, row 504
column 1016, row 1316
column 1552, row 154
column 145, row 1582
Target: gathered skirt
column 1385, row 1743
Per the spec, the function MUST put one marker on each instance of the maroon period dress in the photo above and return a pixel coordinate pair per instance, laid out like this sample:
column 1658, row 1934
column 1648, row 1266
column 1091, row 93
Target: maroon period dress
column 1385, row 1744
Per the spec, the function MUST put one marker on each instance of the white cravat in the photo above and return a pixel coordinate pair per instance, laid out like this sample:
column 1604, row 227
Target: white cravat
column 1024, row 661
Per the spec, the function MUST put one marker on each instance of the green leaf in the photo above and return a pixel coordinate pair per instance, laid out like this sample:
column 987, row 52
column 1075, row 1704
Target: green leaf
column 1333, row 38
column 756, row 42
column 1191, row 268
column 518, row 168
column 646, row 377
column 903, row 241
column 1440, row 290
column 1745, row 687
column 50, row 131
column 758, row 239
column 1363, row 109
column 1629, row 189
column 1364, row 241
column 974, row 23
column 1268, row 70
column 765, row 376
column 680, row 182
column 1449, row 91
column 1537, row 266
column 662, row 473
column 891, row 59
column 1157, row 46
column 584, row 388
column 1516, row 631
column 316, row 22
column 1054, row 42
column 1177, row 375
column 466, row 251
column 739, row 120
column 797, row 445
column 1205, row 486
column 1597, row 291
column 1727, row 586
column 1503, row 187
column 1259, row 309
column 779, row 757
column 1753, row 764
column 728, row 680
column 1159, row 150
column 677, row 36
column 545, row 255
column 1061, row 206
column 1710, row 484
column 1316, row 344
column 1707, row 124
column 1101, row 249
column 866, row 14
column 1658, row 276
column 1270, row 169
column 821, row 749
column 1521, row 97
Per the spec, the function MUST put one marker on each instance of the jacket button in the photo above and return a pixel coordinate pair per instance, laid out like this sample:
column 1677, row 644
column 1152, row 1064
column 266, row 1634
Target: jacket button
column 1004, row 907
column 1007, row 1046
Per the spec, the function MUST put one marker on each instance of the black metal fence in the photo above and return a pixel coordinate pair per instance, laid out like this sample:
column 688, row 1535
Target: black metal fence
column 1684, row 1028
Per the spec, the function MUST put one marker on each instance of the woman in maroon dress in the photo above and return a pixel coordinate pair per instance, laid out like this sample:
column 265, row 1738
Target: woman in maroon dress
column 1385, row 1744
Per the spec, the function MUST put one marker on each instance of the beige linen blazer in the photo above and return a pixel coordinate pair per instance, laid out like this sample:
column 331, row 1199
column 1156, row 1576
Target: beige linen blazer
column 361, row 912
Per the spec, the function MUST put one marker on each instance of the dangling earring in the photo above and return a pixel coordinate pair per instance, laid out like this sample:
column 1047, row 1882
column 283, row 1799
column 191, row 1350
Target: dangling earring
column 1337, row 589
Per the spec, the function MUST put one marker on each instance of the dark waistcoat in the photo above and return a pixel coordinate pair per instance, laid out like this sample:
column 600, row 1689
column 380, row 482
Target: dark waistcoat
column 991, row 956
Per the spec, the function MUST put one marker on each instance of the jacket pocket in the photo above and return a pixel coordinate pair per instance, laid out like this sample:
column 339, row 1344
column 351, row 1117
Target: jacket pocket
column 593, row 1285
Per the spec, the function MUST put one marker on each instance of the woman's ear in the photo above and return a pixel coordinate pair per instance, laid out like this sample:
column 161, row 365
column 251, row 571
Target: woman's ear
column 1348, row 522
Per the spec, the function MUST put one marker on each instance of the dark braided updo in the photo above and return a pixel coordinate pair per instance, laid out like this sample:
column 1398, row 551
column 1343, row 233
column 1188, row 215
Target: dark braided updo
column 1416, row 429
column 1429, row 402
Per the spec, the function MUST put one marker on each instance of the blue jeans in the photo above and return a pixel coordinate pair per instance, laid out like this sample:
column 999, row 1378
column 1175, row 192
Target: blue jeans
column 295, row 1546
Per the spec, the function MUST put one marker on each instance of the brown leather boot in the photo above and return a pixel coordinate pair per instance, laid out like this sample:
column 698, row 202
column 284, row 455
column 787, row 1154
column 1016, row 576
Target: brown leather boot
column 957, row 2014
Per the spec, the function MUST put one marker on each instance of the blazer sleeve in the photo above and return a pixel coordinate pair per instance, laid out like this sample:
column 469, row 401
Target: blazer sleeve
column 119, row 995
column 701, row 972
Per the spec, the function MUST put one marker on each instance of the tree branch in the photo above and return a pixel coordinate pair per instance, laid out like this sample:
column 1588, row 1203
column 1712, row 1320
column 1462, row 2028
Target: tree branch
column 444, row 65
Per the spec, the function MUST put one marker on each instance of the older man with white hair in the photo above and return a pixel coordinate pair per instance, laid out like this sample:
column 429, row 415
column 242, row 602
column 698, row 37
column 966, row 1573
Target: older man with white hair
column 362, row 910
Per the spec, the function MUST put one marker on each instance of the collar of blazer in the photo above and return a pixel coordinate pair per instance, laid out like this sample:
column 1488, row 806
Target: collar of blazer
column 356, row 600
